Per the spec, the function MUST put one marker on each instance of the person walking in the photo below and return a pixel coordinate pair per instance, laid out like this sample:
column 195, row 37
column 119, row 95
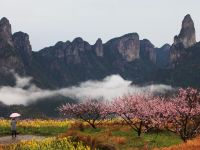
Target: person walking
column 13, row 125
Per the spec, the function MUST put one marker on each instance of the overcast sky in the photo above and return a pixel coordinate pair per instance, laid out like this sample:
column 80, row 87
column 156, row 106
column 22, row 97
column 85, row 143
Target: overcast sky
column 49, row 21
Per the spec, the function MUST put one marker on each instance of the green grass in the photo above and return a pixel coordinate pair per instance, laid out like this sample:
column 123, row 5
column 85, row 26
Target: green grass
column 161, row 139
column 43, row 131
column 4, row 131
column 151, row 140
column 106, row 135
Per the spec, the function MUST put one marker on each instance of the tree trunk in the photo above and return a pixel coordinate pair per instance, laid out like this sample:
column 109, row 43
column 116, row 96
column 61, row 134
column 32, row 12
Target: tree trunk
column 140, row 129
column 93, row 126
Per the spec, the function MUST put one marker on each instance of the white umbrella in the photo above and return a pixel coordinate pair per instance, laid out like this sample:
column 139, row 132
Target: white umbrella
column 14, row 115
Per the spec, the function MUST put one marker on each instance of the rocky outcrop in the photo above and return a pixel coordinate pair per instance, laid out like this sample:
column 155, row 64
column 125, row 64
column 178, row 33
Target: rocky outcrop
column 78, row 44
column 9, row 59
column 187, row 35
column 5, row 34
column 69, row 63
column 70, row 52
column 147, row 51
column 129, row 46
column 98, row 47
column 184, row 40
column 22, row 46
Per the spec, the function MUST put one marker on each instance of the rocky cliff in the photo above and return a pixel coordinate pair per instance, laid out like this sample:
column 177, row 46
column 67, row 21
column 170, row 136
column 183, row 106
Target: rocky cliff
column 184, row 40
column 22, row 46
column 9, row 59
column 148, row 51
column 5, row 34
column 98, row 47
column 71, row 62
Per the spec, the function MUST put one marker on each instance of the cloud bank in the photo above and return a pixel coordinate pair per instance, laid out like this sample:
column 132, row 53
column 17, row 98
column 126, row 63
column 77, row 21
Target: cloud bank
column 110, row 87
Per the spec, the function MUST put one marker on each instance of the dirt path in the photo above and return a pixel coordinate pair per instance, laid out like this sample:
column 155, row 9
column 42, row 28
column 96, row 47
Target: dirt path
column 10, row 140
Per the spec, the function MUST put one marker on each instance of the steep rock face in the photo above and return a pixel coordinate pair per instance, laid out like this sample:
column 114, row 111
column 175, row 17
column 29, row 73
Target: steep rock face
column 9, row 59
column 22, row 46
column 70, row 52
column 98, row 47
column 69, row 63
column 127, row 46
column 184, row 40
column 187, row 35
column 5, row 34
column 187, row 72
column 147, row 51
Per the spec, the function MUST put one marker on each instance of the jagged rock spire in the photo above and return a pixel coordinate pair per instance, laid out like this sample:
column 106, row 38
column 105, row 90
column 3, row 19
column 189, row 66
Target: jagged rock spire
column 184, row 40
column 22, row 45
column 187, row 35
column 99, row 48
column 5, row 33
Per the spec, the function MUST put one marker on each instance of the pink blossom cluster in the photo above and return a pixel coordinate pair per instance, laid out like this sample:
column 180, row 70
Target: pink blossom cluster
column 90, row 111
column 179, row 113
column 183, row 113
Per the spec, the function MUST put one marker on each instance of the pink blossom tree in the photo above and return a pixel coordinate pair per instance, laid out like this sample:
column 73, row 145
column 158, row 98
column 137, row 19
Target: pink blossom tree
column 90, row 111
column 138, row 111
column 183, row 113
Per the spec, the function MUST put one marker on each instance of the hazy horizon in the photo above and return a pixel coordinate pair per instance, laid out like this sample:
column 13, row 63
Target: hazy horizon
column 48, row 22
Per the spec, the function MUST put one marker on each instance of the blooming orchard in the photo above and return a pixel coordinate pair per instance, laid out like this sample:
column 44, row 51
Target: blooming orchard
column 90, row 111
column 184, row 113
column 179, row 114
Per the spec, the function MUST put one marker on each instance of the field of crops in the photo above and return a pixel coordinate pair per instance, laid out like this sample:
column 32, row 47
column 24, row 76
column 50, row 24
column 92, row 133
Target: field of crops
column 71, row 134
column 47, row 144
column 36, row 127
column 76, row 135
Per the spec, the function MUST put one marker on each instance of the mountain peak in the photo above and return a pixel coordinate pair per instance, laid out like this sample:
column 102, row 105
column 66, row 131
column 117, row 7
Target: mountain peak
column 131, row 35
column 187, row 34
column 128, row 46
column 78, row 40
column 4, row 20
column 166, row 46
column 5, row 33
column 187, row 21
column 5, row 25
column 98, row 46
column 22, row 44
column 184, row 40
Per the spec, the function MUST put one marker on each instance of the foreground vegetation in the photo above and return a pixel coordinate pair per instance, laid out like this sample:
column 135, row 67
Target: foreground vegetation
column 129, row 122
column 190, row 145
column 108, row 134
column 36, row 127
column 47, row 144
column 122, row 137
column 178, row 113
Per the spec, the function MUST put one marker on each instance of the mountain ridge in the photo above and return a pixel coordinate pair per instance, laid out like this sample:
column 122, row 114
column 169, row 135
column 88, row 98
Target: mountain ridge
column 71, row 62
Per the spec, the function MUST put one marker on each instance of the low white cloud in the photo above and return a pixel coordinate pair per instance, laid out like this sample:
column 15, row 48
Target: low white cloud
column 111, row 87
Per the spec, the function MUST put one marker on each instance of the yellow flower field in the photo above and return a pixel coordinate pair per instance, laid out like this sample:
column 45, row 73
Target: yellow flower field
column 46, row 144
column 37, row 126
